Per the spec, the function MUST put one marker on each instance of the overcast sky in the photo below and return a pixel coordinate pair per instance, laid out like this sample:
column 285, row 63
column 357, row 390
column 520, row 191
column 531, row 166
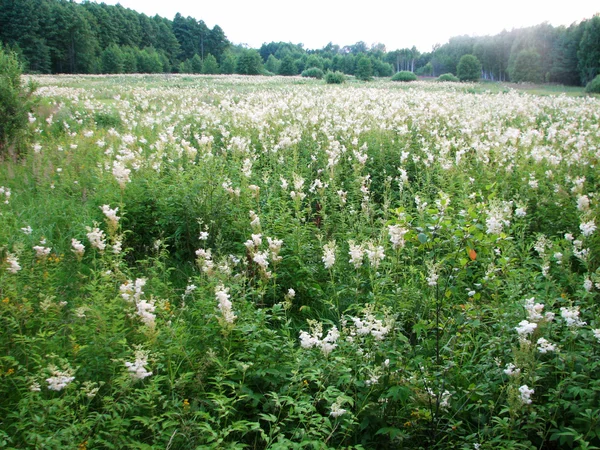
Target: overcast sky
column 397, row 24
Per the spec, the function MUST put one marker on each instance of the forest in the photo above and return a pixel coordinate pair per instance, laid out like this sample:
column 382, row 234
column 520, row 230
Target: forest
column 60, row 36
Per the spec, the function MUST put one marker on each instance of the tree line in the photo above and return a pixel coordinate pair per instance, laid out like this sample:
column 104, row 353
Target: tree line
column 61, row 36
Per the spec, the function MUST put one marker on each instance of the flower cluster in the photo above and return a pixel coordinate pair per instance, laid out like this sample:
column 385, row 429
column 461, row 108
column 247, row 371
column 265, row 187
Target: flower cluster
column 225, row 305
column 315, row 338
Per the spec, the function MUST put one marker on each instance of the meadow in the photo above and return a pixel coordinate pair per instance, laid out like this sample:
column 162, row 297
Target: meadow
column 276, row 263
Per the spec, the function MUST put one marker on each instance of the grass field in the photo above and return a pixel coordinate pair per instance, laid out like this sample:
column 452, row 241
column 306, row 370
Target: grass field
column 271, row 262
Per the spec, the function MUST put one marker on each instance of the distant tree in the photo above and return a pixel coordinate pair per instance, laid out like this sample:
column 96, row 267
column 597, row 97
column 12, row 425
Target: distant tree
column 588, row 54
column 112, row 59
column 593, row 87
column 314, row 61
column 288, row 66
column 196, row 64
column 129, row 60
column 228, row 63
column 249, row 62
column 468, row 68
column 381, row 68
column 15, row 103
column 217, row 42
column 527, row 67
column 210, row 65
column 148, row 61
column 364, row 69
column 272, row 64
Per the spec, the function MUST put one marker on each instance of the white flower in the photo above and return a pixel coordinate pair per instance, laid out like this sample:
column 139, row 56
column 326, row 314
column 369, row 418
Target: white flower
column 13, row 263
column 27, row 230
column 136, row 369
column 375, row 254
column 597, row 334
column 544, row 346
column 96, row 237
column 59, row 379
column 526, row 394
column 329, row 254
column 587, row 284
column 588, row 228
column 397, row 233
column 41, row 252
column 521, row 212
column 225, row 305
column 203, row 235
column 512, row 370
column 356, row 254
column 337, row 410
column 571, row 316
column 534, row 310
column 78, row 247
column 111, row 215
column 525, row 328
column 583, row 203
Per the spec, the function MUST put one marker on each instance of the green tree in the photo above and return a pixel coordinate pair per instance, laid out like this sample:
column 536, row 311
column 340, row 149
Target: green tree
column 527, row 67
column 364, row 69
column 210, row 65
column 272, row 64
column 249, row 62
column 468, row 68
column 196, row 64
column 228, row 63
column 588, row 54
column 112, row 59
column 15, row 104
column 288, row 66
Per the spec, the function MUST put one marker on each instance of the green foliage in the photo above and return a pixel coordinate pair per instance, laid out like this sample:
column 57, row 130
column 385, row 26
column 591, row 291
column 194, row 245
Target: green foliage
column 210, row 65
column 404, row 76
column 448, row 77
column 313, row 72
column 249, row 63
column 112, row 59
column 364, row 69
column 272, row 64
column 288, row 66
column 593, row 87
column 335, row 78
column 228, row 63
column 15, row 104
column 468, row 68
column 527, row 67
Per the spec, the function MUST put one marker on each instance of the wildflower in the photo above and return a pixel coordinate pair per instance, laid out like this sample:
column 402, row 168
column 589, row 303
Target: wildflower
column 78, row 248
column 96, row 237
column 59, row 379
column 41, row 251
column 396, row 233
column 526, row 394
column 512, row 370
column 432, row 276
column 356, row 254
column 337, row 410
column 189, row 289
column 121, row 173
column 329, row 254
column 13, row 263
column 571, row 316
column 597, row 334
column 583, row 203
column 27, row 230
column 588, row 228
column 375, row 254
column 111, row 216
column 117, row 247
column 137, row 369
column 35, row 387
column 313, row 339
column 225, row 306
column 275, row 248
column 525, row 328
column 521, row 212
column 587, row 284
column 534, row 310
column 203, row 235
column 544, row 346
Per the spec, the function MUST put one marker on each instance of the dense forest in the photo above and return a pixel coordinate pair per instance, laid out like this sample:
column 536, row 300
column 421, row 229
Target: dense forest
column 60, row 36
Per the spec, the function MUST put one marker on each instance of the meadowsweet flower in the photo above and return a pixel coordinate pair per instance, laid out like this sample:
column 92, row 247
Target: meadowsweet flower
column 583, row 203
column 145, row 310
column 545, row 346
column 77, row 247
column 225, row 305
column 27, row 230
column 59, row 379
column 137, row 369
column 571, row 317
column 525, row 328
column 6, row 192
column 526, row 394
column 432, row 276
column 521, row 212
column 96, row 237
column 356, row 254
column 588, row 228
column 588, row 285
column 13, row 263
column 597, row 334
column 41, row 251
column 275, row 248
column 121, row 173
column 111, row 216
column 337, row 410
column 534, row 310
column 329, row 254
column 512, row 370
column 375, row 254
column 396, row 233
column 203, row 235
column 313, row 339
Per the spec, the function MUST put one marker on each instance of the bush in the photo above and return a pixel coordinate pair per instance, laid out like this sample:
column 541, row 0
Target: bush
column 468, row 68
column 313, row 72
column 335, row 77
column 593, row 87
column 15, row 103
column 448, row 77
column 404, row 76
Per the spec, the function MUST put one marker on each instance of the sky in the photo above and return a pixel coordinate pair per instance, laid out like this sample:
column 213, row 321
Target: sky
column 397, row 24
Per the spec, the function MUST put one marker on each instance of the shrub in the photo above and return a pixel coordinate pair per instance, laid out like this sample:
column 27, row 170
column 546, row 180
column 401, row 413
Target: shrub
column 593, row 86
column 313, row 72
column 448, row 77
column 404, row 76
column 468, row 68
column 15, row 102
column 335, row 77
